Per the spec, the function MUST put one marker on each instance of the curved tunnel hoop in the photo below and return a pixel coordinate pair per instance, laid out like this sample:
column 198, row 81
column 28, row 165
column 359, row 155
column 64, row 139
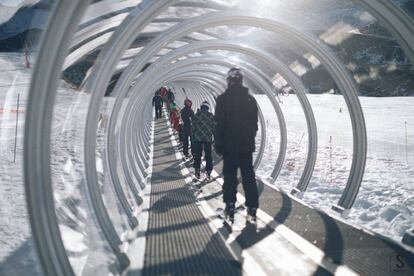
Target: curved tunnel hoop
column 37, row 176
column 48, row 83
column 339, row 73
column 285, row 72
column 174, row 67
column 131, row 110
column 142, row 17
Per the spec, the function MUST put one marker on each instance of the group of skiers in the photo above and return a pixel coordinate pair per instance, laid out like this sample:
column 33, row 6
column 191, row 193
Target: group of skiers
column 198, row 128
column 232, row 131
column 162, row 96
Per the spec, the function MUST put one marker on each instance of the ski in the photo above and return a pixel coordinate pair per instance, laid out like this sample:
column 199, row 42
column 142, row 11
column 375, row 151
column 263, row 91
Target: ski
column 238, row 223
column 221, row 215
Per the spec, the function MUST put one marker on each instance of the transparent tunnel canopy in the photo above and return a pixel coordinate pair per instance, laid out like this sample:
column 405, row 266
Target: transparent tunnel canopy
column 17, row 249
column 333, row 81
column 82, row 238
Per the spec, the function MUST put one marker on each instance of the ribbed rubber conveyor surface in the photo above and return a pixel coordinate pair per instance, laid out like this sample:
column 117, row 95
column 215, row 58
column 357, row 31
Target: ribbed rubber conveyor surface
column 179, row 239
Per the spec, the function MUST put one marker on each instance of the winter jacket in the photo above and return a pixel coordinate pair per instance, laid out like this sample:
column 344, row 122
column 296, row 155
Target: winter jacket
column 203, row 126
column 163, row 94
column 175, row 118
column 236, row 117
column 187, row 115
column 170, row 96
column 157, row 101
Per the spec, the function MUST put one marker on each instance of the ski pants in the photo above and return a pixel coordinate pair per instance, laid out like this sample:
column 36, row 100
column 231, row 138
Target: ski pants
column 186, row 137
column 231, row 162
column 198, row 152
column 158, row 111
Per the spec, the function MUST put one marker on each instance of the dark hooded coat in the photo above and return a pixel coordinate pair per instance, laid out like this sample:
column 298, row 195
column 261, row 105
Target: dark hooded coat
column 236, row 118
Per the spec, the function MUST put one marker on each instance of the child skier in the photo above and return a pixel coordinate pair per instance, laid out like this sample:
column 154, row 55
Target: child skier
column 175, row 117
column 187, row 115
column 203, row 129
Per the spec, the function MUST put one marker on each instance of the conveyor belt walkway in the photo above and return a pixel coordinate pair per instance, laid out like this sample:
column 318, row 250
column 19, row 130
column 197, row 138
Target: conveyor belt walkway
column 184, row 236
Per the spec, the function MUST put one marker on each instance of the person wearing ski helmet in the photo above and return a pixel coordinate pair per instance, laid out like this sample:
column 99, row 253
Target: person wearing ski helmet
column 170, row 96
column 157, row 102
column 236, row 118
column 203, row 130
column 187, row 115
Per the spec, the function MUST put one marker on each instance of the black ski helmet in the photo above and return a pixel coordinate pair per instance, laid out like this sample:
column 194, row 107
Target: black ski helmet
column 234, row 76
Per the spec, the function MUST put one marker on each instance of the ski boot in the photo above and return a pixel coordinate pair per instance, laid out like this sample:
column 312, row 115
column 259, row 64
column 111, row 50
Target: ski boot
column 229, row 212
column 208, row 175
column 251, row 214
column 197, row 173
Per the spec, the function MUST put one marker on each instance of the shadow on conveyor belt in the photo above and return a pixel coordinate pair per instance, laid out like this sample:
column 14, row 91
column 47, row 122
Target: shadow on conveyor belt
column 179, row 240
column 157, row 151
column 175, row 227
column 167, row 173
column 163, row 150
column 171, row 198
column 163, row 163
column 365, row 253
column 210, row 261
column 333, row 248
column 250, row 235
column 163, row 155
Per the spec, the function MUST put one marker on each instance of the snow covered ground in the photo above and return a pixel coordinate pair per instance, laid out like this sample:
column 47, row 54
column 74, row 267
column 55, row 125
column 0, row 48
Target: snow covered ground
column 17, row 250
column 79, row 230
column 385, row 203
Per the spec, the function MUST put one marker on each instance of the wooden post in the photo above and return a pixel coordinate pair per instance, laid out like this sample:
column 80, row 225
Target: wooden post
column 406, row 141
column 17, row 124
column 26, row 56
column 330, row 159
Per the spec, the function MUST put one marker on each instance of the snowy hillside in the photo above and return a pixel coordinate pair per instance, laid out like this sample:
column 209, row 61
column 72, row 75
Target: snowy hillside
column 21, row 23
column 17, row 252
column 385, row 203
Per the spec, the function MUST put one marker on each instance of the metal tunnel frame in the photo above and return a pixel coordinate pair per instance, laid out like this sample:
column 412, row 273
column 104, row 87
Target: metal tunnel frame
column 283, row 70
column 126, row 128
column 56, row 41
column 338, row 70
column 144, row 15
column 38, row 184
column 291, row 79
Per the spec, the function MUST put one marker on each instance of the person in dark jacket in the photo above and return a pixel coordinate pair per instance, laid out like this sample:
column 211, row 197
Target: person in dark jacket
column 170, row 96
column 236, row 116
column 203, row 130
column 157, row 102
column 187, row 115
